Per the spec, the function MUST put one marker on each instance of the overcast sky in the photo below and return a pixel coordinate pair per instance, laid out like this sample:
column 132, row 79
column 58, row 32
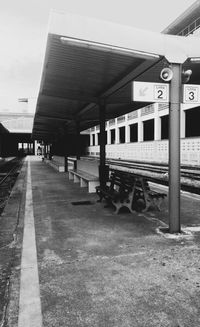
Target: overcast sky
column 23, row 27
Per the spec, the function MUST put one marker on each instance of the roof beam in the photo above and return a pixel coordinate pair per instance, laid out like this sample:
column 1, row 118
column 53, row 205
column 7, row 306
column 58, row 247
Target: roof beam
column 117, row 86
column 129, row 77
column 41, row 117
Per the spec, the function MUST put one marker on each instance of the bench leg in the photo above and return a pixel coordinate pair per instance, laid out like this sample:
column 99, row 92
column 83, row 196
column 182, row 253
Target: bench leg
column 129, row 206
column 148, row 203
column 117, row 207
column 92, row 186
column 71, row 176
column 153, row 202
column 83, row 183
column 76, row 179
column 158, row 202
column 100, row 198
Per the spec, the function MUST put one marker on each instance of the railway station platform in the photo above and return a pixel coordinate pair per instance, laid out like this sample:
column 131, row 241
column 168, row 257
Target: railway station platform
column 71, row 262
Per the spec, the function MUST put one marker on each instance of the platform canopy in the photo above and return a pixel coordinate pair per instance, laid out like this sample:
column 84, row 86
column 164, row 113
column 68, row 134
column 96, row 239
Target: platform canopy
column 19, row 125
column 89, row 62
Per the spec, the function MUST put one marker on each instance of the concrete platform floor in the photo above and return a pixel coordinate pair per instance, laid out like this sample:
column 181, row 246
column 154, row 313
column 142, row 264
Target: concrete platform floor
column 98, row 269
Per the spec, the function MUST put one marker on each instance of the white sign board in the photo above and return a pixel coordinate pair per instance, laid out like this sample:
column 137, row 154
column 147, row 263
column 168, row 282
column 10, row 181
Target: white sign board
column 150, row 92
column 191, row 93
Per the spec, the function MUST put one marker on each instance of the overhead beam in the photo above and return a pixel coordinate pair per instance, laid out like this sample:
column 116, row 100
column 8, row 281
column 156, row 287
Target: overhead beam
column 129, row 77
column 41, row 116
column 121, row 83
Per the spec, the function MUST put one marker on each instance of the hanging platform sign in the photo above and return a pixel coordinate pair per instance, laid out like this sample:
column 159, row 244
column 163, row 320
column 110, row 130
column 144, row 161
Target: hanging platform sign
column 150, row 92
column 191, row 93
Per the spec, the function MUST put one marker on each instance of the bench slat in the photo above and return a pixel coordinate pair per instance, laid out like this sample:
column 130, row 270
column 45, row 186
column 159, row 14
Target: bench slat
column 84, row 175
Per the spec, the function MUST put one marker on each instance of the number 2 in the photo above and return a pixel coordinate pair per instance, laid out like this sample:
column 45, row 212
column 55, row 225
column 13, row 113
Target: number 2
column 160, row 94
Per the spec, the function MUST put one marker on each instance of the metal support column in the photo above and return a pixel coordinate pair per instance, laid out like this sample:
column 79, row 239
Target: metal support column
column 103, row 169
column 66, row 149
column 78, row 143
column 45, row 151
column 174, row 149
column 78, row 140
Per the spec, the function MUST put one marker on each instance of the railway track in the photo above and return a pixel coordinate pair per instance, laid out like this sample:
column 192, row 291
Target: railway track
column 188, row 172
column 8, row 174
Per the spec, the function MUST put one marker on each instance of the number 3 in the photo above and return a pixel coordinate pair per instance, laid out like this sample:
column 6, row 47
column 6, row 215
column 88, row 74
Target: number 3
column 191, row 95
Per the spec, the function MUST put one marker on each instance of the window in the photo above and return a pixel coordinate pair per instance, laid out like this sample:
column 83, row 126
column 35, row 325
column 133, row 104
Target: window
column 122, row 134
column 133, row 132
column 149, row 130
column 93, row 139
column 192, row 122
column 112, row 136
column 165, row 127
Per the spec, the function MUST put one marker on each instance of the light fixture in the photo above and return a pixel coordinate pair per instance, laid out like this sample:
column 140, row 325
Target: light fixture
column 166, row 74
column 186, row 74
column 195, row 59
column 109, row 48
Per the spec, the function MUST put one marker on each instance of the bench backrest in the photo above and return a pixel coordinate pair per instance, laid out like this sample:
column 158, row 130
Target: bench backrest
column 88, row 166
column 123, row 181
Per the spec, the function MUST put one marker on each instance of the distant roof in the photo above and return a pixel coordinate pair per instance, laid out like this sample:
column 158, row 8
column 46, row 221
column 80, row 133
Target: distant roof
column 186, row 18
column 19, row 125
column 3, row 130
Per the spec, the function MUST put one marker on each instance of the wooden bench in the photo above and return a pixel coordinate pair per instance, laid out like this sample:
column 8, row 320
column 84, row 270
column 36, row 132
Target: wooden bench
column 131, row 191
column 86, row 173
column 120, row 192
column 150, row 198
column 85, row 179
column 57, row 163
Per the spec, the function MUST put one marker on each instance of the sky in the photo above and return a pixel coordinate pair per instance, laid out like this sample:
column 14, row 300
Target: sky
column 23, row 31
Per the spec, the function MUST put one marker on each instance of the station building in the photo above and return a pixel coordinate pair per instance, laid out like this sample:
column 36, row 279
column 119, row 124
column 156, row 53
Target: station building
column 142, row 135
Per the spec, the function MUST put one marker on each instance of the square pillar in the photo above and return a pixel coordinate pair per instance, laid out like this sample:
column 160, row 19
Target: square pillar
column 103, row 169
column 117, row 135
column 140, row 128
column 78, row 140
column 174, row 149
column 127, row 133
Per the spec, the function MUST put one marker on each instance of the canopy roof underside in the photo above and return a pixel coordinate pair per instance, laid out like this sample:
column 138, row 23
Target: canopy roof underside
column 88, row 62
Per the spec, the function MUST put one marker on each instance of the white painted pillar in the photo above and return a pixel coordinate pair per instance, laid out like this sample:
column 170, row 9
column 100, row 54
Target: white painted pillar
column 127, row 133
column 96, row 139
column 157, row 123
column 140, row 127
column 91, row 142
column 117, row 135
column 108, row 136
column 35, row 147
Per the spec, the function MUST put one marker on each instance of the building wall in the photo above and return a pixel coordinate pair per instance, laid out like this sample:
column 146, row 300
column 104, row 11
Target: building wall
column 151, row 151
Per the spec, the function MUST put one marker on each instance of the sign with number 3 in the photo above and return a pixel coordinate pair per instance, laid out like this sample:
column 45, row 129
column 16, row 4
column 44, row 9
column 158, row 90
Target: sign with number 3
column 191, row 93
